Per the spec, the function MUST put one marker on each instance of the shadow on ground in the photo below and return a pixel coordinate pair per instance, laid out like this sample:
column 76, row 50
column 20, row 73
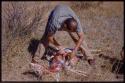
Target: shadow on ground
column 33, row 45
column 117, row 65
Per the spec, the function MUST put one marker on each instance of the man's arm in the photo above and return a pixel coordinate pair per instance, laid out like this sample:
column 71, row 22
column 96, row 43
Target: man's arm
column 76, row 40
column 78, row 43
column 52, row 40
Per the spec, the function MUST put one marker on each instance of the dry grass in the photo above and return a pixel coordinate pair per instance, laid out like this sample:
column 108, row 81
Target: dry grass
column 21, row 21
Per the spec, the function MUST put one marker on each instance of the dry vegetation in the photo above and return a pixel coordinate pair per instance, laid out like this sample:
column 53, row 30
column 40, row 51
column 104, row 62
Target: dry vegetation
column 22, row 21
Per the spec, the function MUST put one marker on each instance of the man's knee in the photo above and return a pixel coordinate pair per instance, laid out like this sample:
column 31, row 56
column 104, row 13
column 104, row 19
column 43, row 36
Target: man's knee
column 40, row 50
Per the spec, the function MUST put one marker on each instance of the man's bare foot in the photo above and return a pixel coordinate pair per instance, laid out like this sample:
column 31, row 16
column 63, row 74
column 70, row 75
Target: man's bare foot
column 92, row 63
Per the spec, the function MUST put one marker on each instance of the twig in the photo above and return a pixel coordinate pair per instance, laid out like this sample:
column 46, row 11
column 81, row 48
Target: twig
column 77, row 72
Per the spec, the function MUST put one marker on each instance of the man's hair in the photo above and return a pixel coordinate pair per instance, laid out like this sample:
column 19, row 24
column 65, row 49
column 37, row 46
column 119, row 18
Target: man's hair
column 71, row 23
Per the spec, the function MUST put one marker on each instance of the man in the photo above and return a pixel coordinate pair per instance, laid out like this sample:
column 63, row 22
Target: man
column 62, row 18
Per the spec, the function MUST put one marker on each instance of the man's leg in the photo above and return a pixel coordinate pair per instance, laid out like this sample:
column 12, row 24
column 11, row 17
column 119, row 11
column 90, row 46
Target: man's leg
column 39, row 53
column 43, row 44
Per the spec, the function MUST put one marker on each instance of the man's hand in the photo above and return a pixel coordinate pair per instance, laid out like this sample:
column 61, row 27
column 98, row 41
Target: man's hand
column 61, row 50
column 60, row 47
column 73, row 53
column 74, row 59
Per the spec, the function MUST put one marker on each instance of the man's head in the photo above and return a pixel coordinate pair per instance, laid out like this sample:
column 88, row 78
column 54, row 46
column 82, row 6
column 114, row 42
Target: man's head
column 70, row 24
